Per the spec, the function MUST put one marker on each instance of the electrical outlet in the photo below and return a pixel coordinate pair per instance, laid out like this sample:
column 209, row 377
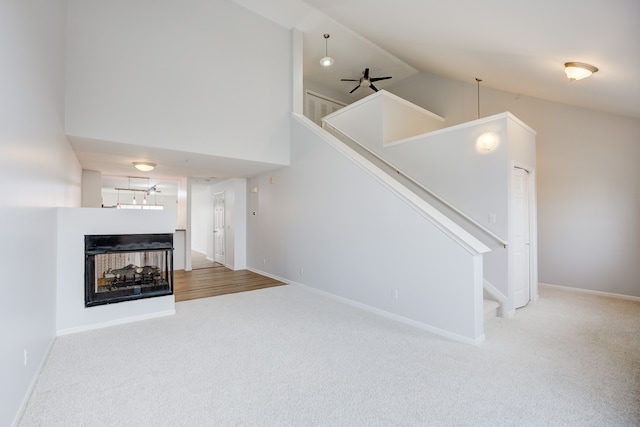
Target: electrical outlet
column 395, row 294
column 25, row 357
column 301, row 271
column 492, row 218
column 264, row 261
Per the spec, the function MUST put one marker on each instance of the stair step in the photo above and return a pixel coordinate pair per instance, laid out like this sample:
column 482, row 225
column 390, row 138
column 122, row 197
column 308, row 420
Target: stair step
column 490, row 309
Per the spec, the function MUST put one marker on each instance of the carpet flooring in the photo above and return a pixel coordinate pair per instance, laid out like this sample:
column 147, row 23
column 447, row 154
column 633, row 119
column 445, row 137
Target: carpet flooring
column 287, row 356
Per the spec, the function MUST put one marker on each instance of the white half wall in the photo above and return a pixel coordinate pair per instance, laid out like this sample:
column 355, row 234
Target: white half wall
column 73, row 225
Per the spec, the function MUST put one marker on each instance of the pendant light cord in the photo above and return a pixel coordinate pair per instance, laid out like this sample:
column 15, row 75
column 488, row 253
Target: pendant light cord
column 478, row 80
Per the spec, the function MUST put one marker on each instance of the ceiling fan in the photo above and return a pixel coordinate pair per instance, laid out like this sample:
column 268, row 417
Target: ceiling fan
column 365, row 80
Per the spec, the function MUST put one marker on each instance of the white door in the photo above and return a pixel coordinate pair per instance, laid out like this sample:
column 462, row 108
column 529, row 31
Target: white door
column 218, row 227
column 521, row 248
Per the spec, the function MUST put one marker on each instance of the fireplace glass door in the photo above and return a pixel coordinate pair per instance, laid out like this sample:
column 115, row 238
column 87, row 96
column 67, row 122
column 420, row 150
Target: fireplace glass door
column 127, row 267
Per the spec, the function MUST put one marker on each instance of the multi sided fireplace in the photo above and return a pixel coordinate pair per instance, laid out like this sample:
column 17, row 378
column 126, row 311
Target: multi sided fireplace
column 127, row 267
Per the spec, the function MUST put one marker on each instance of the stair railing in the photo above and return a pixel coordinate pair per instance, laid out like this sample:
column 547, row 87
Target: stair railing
column 352, row 143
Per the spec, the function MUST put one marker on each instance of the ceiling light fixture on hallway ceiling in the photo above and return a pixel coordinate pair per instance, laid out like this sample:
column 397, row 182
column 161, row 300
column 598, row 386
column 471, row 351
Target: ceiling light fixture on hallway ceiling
column 578, row 70
column 327, row 60
column 144, row 166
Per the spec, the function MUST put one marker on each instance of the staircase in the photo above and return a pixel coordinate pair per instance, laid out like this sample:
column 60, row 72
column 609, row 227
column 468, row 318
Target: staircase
column 397, row 120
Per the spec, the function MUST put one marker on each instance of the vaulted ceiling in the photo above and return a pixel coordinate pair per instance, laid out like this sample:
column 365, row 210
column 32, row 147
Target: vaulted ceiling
column 514, row 46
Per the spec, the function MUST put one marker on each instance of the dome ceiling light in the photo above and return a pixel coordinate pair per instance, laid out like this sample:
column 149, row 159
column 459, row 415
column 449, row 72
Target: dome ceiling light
column 144, row 166
column 578, row 70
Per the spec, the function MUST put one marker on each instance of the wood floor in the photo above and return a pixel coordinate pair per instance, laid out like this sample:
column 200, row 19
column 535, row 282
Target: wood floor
column 218, row 280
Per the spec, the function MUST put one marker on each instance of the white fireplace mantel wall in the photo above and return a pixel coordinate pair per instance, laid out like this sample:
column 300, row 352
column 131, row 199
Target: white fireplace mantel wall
column 73, row 224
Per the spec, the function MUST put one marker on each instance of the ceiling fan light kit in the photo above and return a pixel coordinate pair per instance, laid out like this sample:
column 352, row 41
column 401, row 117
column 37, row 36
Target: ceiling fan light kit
column 326, row 61
column 578, row 70
column 365, row 80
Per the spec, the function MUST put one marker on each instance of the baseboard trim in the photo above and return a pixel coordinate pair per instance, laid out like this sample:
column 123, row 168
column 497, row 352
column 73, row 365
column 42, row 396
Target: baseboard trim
column 269, row 275
column 589, row 291
column 441, row 332
column 116, row 322
column 32, row 385
column 437, row 331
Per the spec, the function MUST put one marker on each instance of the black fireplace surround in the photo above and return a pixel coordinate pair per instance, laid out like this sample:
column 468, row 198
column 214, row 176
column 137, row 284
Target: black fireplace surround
column 126, row 267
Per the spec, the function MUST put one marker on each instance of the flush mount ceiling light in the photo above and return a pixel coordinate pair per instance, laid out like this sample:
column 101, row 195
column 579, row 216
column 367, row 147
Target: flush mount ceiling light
column 144, row 166
column 327, row 60
column 578, row 70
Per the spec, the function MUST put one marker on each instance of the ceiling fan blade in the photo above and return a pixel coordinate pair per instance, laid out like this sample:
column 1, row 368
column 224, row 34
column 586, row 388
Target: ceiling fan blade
column 375, row 79
column 373, row 87
column 349, row 80
column 354, row 89
column 366, row 74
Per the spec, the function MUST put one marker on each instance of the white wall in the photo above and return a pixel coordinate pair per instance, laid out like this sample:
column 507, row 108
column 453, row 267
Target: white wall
column 179, row 248
column 326, row 223
column 91, row 189
column 38, row 171
column 207, row 76
column 588, row 180
column 235, row 202
column 201, row 219
column 72, row 226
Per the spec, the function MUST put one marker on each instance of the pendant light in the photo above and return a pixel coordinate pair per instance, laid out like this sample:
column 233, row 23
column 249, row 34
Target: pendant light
column 327, row 60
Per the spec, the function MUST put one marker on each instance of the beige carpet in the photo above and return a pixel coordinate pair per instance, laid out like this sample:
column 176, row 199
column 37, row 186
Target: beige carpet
column 286, row 356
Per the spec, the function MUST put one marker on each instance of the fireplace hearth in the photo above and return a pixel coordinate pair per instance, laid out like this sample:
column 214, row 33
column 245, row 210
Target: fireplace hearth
column 127, row 267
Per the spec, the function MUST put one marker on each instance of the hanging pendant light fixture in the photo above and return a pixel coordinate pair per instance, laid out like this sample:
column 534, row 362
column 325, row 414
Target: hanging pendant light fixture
column 578, row 70
column 327, row 60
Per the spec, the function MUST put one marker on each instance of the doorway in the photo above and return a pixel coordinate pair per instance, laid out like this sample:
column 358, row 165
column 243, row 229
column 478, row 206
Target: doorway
column 218, row 228
column 521, row 241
